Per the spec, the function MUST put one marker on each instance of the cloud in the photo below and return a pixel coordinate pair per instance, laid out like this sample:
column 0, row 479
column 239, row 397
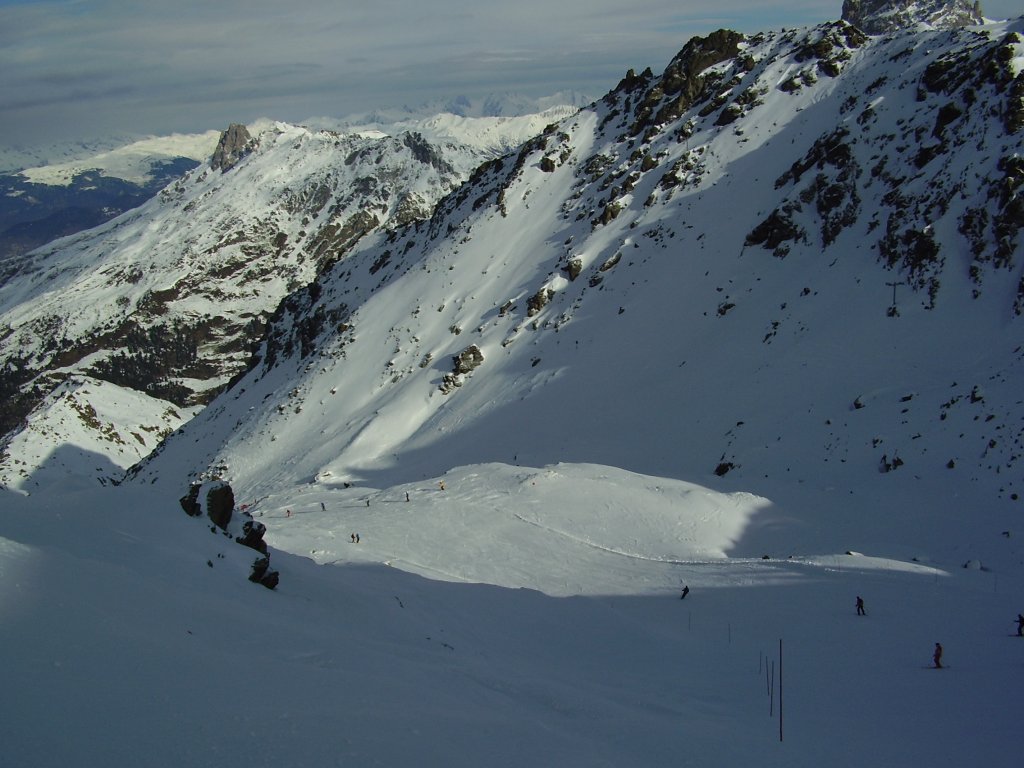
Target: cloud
column 80, row 67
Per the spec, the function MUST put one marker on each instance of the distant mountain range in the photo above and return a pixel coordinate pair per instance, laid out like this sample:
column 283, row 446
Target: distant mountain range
column 41, row 203
column 54, row 191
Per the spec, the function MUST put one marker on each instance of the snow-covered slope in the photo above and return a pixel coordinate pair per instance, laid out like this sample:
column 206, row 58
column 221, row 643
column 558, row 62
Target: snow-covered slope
column 120, row 595
column 169, row 298
column 693, row 279
column 87, row 430
column 15, row 158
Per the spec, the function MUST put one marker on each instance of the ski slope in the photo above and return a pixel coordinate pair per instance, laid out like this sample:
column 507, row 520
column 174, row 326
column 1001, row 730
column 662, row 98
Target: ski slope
column 490, row 624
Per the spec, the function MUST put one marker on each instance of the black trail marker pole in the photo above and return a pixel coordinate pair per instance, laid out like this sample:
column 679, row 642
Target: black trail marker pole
column 893, row 311
column 780, row 689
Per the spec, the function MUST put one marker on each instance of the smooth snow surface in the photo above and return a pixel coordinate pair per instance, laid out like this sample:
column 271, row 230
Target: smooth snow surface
column 132, row 637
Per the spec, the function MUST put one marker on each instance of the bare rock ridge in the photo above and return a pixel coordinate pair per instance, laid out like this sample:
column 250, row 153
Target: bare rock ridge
column 880, row 17
column 235, row 143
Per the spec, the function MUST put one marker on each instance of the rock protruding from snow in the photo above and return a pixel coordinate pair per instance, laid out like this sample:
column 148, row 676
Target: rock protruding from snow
column 880, row 17
column 235, row 143
column 217, row 500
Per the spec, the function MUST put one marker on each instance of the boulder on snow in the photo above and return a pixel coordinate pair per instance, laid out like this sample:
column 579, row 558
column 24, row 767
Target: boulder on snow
column 220, row 503
column 190, row 501
column 252, row 536
column 538, row 301
column 468, row 359
column 261, row 573
column 216, row 499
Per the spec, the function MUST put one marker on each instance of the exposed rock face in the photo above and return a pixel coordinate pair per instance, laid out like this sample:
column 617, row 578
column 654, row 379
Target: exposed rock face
column 216, row 499
column 686, row 81
column 880, row 17
column 235, row 143
column 220, row 503
column 252, row 536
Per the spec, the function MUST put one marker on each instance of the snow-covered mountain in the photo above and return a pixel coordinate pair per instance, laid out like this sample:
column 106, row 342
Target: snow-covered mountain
column 791, row 258
column 65, row 189
column 169, row 298
column 751, row 326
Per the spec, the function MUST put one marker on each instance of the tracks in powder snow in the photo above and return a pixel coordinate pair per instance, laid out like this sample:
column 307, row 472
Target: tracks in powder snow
column 636, row 555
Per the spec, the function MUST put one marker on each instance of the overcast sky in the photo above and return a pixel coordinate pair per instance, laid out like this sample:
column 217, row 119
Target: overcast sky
column 83, row 68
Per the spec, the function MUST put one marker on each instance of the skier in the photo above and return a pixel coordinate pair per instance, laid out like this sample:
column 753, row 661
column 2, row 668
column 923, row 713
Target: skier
column 406, row 495
column 937, row 656
column 860, row 606
column 1020, row 625
column 441, row 485
column 357, row 538
column 686, row 591
column 323, row 507
column 352, row 537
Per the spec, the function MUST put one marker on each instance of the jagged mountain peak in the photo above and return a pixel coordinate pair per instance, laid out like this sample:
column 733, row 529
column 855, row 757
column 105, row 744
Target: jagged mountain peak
column 880, row 17
column 234, row 144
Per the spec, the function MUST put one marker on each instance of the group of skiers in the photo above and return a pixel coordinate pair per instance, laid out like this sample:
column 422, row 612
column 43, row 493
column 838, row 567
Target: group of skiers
column 937, row 653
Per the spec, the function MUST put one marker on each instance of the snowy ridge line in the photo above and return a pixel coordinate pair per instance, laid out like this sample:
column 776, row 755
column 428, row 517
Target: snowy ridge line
column 418, row 568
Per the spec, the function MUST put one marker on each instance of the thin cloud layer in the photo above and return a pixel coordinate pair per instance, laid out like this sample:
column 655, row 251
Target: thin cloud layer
column 76, row 68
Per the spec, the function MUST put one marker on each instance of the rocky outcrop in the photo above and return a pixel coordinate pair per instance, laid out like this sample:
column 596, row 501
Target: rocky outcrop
column 235, row 143
column 881, row 17
column 468, row 360
column 686, row 81
column 464, row 363
column 216, row 500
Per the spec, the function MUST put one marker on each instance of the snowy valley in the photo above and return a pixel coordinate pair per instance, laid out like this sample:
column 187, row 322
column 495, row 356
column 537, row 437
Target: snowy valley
column 750, row 326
